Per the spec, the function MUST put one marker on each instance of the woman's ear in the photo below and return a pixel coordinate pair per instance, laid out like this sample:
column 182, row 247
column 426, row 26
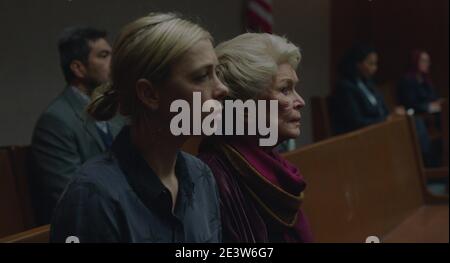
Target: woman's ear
column 78, row 69
column 147, row 94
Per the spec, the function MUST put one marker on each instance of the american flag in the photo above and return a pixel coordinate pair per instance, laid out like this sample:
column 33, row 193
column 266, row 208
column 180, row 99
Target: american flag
column 259, row 16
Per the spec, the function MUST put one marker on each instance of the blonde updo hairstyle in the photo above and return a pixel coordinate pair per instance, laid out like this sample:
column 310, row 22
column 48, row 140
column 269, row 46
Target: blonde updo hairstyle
column 145, row 48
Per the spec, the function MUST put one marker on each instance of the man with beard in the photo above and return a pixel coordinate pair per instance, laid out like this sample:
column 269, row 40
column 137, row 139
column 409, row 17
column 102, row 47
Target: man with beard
column 65, row 136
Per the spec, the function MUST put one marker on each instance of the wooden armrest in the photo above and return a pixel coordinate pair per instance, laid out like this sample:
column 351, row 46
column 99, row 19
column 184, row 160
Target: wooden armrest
column 35, row 235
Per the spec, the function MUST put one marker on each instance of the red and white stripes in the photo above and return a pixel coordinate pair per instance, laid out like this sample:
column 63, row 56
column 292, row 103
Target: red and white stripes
column 259, row 16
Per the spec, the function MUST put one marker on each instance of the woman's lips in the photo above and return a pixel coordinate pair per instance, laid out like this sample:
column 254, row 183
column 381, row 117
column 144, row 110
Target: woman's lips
column 296, row 119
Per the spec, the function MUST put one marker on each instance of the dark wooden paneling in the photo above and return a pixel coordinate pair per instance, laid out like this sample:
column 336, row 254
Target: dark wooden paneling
column 395, row 28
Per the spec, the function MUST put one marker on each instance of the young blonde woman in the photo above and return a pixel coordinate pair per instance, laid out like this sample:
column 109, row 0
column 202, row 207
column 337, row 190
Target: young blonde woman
column 145, row 189
column 261, row 192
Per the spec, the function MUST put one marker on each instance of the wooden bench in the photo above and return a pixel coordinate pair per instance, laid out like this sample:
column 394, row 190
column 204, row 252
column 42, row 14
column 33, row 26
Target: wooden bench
column 11, row 218
column 371, row 183
column 322, row 128
column 15, row 199
column 322, row 123
column 20, row 160
column 36, row 235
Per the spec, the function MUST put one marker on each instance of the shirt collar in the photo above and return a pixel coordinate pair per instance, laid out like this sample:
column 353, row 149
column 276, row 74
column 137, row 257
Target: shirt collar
column 84, row 99
column 143, row 179
column 367, row 90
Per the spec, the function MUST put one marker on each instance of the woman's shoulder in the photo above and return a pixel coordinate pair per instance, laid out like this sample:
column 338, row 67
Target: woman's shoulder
column 193, row 162
column 346, row 83
column 102, row 175
column 201, row 175
column 196, row 167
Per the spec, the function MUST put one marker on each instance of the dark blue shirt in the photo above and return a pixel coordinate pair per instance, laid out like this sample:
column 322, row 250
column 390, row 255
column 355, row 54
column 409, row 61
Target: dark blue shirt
column 116, row 197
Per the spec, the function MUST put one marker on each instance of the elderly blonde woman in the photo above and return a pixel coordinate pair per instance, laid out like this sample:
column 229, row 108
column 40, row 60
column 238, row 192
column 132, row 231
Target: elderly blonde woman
column 261, row 193
column 145, row 189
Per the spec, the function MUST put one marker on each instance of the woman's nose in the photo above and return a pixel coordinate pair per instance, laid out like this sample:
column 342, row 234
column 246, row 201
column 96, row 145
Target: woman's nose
column 220, row 91
column 299, row 102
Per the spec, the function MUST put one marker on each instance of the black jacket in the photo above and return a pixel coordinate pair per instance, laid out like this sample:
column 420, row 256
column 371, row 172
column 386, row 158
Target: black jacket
column 415, row 95
column 351, row 106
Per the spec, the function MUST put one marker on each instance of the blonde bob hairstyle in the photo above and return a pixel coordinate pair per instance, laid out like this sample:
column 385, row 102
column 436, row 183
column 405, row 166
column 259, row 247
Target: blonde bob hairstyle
column 249, row 62
column 145, row 48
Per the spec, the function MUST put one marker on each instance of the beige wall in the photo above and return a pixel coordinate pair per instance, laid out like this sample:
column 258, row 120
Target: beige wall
column 306, row 23
column 30, row 76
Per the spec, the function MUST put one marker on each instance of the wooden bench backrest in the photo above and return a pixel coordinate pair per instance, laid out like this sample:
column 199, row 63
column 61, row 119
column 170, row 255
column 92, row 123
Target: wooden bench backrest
column 11, row 218
column 36, row 235
column 20, row 160
column 363, row 183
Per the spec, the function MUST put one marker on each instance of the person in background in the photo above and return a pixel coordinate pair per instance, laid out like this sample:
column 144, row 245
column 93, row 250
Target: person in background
column 415, row 91
column 145, row 189
column 261, row 192
column 356, row 102
column 65, row 136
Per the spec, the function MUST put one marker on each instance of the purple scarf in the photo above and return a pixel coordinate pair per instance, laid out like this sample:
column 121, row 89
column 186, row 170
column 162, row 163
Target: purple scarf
column 275, row 185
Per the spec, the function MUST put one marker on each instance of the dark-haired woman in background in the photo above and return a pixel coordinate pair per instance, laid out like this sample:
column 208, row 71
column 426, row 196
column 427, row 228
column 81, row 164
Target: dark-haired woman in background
column 356, row 102
column 415, row 91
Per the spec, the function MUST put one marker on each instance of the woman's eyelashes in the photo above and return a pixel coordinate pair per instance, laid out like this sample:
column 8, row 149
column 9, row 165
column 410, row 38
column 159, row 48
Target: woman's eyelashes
column 285, row 90
column 206, row 75
column 203, row 76
column 288, row 88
